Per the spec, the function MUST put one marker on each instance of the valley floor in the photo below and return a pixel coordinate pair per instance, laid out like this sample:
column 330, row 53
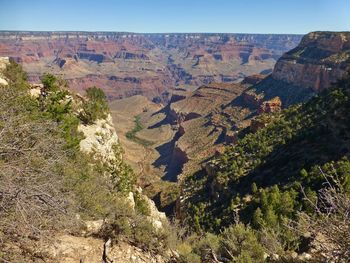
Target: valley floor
column 149, row 161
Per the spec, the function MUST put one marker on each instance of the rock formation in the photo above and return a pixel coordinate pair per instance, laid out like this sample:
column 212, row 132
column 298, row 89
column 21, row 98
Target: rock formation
column 270, row 106
column 72, row 249
column 319, row 60
column 102, row 142
column 100, row 139
column 252, row 99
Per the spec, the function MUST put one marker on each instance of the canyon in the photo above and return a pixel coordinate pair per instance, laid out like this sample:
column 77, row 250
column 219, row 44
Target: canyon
column 198, row 124
column 196, row 144
column 126, row 64
column 192, row 93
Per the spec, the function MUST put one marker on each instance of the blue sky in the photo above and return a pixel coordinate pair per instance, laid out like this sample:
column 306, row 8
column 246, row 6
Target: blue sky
column 245, row 16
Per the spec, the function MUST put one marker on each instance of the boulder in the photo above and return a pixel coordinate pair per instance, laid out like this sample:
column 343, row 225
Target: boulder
column 93, row 227
column 156, row 218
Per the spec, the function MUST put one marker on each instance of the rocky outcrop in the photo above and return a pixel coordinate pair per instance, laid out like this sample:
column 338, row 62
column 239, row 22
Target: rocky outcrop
column 129, row 55
column 203, row 100
column 73, row 249
column 3, row 63
column 231, row 137
column 270, row 106
column 100, row 139
column 254, row 100
column 36, row 90
column 205, row 120
column 318, row 61
column 156, row 218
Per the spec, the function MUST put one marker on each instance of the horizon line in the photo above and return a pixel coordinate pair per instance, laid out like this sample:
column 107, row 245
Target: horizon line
column 164, row 33
column 151, row 33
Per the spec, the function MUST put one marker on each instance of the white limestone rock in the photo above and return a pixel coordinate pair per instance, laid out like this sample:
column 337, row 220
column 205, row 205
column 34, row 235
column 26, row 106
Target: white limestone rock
column 4, row 61
column 100, row 139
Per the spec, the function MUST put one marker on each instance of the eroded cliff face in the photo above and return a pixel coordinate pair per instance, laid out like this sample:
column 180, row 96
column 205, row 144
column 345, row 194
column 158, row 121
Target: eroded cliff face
column 101, row 140
column 319, row 60
column 126, row 64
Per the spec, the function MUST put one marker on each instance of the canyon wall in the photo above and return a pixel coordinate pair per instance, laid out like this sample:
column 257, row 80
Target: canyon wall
column 319, row 60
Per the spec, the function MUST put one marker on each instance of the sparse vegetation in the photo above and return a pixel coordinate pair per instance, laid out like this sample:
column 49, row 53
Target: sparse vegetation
column 95, row 107
column 280, row 160
column 131, row 135
column 32, row 156
column 45, row 179
column 138, row 127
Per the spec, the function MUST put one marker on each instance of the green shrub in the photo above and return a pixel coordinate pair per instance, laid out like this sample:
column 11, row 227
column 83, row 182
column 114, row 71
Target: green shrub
column 122, row 174
column 141, row 206
column 240, row 244
column 95, row 107
column 16, row 76
column 50, row 82
column 92, row 191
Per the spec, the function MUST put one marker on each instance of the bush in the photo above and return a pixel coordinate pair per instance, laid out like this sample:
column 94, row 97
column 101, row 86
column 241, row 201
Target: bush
column 16, row 76
column 53, row 83
column 239, row 244
column 92, row 192
column 95, row 107
column 141, row 205
column 31, row 171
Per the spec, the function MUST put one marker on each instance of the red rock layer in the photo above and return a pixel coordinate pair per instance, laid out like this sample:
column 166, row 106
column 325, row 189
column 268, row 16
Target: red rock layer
column 125, row 64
